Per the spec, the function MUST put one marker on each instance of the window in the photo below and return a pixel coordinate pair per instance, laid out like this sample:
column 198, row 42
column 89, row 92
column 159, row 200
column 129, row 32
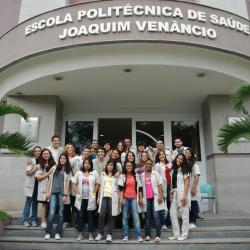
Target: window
column 149, row 132
column 188, row 131
column 79, row 133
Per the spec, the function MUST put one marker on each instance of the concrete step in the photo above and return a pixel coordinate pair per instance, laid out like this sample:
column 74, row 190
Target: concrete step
column 199, row 232
column 38, row 243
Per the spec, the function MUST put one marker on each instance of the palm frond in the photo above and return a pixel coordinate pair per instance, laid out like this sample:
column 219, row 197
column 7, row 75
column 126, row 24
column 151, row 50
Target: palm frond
column 15, row 142
column 238, row 98
column 6, row 109
column 231, row 133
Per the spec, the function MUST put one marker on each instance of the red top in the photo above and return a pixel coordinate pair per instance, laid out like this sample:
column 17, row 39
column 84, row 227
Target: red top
column 167, row 174
column 130, row 187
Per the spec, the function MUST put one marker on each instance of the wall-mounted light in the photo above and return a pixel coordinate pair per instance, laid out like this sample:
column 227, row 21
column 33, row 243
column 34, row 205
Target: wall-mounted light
column 201, row 75
column 58, row 78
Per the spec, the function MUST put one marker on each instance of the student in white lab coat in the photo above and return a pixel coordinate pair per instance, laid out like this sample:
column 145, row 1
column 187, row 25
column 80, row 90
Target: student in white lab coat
column 180, row 197
column 194, row 184
column 47, row 166
column 30, row 189
column 108, row 200
column 85, row 183
column 153, row 201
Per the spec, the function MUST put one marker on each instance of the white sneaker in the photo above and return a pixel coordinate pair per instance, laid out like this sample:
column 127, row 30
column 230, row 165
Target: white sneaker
column 26, row 224
column 98, row 237
column 157, row 239
column 182, row 238
column 164, row 228
column 125, row 238
column 174, row 237
column 34, row 224
column 109, row 238
column 192, row 226
column 57, row 237
column 139, row 239
column 44, row 225
column 47, row 236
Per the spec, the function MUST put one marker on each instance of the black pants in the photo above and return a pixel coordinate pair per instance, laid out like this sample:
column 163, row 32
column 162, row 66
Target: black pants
column 67, row 213
column 85, row 215
column 168, row 220
column 74, row 211
column 106, row 210
column 193, row 212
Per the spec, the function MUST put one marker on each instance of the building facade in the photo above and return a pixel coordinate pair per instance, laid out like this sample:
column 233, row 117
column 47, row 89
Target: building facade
column 140, row 69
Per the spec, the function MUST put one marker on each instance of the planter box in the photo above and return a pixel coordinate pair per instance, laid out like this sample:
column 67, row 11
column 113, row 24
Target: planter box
column 3, row 223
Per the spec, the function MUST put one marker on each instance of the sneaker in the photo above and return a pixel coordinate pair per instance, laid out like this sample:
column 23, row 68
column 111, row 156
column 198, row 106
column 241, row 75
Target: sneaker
column 192, row 226
column 157, row 239
column 139, row 239
column 125, row 238
column 109, row 238
column 65, row 224
column 34, row 224
column 91, row 238
column 182, row 238
column 44, row 225
column 98, row 237
column 147, row 238
column 26, row 224
column 174, row 237
column 164, row 228
column 57, row 237
column 79, row 237
column 47, row 236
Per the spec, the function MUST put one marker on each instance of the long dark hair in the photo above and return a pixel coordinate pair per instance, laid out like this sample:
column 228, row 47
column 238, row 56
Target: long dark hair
column 123, row 150
column 90, row 163
column 51, row 161
column 126, row 159
column 67, row 166
column 185, row 167
column 124, row 171
column 33, row 151
column 114, row 167
column 157, row 157
column 193, row 158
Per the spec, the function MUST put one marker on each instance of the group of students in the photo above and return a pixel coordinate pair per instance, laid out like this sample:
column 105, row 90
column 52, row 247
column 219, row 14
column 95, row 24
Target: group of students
column 148, row 186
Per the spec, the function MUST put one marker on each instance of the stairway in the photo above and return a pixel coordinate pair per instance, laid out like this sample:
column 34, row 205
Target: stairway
column 214, row 232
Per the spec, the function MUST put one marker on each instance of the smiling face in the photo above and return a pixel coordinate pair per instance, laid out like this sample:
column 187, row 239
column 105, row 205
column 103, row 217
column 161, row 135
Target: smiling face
column 188, row 154
column 46, row 155
column 56, row 142
column 100, row 153
column 110, row 167
column 144, row 157
column 37, row 152
column 115, row 154
column 131, row 157
column 179, row 160
column 162, row 156
column 107, row 146
column 159, row 145
column 62, row 160
column 178, row 143
column 148, row 166
column 86, row 153
column 120, row 146
column 129, row 167
column 70, row 149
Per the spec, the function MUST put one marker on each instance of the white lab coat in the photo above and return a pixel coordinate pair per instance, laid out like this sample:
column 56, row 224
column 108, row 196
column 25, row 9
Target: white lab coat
column 93, row 180
column 29, row 180
column 156, row 180
column 116, row 209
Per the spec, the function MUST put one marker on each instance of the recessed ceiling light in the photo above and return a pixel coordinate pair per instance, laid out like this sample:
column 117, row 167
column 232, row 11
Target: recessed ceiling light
column 101, row 135
column 18, row 93
column 58, row 78
column 127, row 70
column 201, row 75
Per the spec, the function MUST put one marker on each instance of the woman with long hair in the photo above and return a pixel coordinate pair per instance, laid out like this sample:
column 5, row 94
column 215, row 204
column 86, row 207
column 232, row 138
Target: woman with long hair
column 108, row 200
column 130, row 193
column 194, row 184
column 57, row 195
column 163, row 168
column 86, row 186
column 141, row 166
column 30, row 189
column 121, row 149
column 115, row 157
column 180, row 197
column 46, row 167
column 130, row 157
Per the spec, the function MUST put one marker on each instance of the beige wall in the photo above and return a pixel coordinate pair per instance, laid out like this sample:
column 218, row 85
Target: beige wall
column 228, row 174
column 9, row 14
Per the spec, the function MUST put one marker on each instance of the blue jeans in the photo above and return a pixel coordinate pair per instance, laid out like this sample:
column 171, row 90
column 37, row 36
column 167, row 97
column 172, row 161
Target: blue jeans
column 130, row 206
column 152, row 214
column 56, row 201
column 30, row 201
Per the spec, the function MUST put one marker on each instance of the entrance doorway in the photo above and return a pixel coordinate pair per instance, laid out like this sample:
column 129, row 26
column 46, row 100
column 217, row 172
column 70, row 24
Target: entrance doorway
column 114, row 130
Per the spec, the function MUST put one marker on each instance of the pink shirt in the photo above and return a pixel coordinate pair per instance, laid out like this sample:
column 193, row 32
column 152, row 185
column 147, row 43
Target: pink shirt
column 149, row 188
